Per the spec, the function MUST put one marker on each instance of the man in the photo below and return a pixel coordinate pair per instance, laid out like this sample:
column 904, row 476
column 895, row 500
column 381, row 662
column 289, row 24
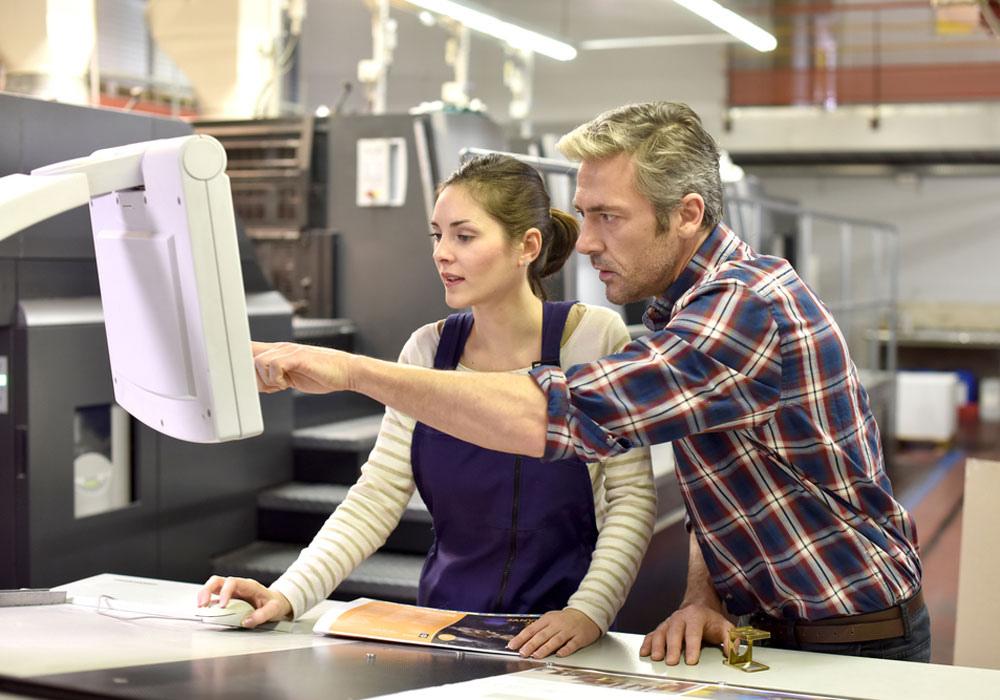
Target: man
column 793, row 524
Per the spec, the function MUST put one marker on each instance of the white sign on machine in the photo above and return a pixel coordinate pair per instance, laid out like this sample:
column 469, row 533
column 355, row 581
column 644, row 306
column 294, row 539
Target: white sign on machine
column 381, row 172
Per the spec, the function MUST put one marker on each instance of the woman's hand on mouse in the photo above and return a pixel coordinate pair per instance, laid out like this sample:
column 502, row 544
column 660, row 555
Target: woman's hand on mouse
column 268, row 604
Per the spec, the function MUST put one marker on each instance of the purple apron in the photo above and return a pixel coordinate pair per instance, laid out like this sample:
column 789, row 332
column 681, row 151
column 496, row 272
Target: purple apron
column 511, row 534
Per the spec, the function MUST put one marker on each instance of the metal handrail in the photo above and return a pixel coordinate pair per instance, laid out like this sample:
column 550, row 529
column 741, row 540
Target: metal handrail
column 786, row 207
column 554, row 166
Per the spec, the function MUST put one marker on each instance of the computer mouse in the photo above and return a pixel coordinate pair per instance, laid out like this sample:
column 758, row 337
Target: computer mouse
column 232, row 614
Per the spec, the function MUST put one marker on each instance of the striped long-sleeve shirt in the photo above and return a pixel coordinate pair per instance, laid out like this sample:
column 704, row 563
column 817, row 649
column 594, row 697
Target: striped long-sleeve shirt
column 778, row 456
column 624, row 496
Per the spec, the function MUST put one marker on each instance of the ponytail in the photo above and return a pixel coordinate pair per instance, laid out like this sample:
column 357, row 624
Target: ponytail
column 556, row 249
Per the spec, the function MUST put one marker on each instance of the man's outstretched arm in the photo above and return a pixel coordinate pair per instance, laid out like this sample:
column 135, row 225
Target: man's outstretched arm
column 496, row 410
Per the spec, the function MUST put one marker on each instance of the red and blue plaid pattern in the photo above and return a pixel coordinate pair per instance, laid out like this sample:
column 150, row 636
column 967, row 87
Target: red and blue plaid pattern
column 778, row 456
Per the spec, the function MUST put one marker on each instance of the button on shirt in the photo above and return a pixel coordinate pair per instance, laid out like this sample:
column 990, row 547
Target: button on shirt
column 778, row 456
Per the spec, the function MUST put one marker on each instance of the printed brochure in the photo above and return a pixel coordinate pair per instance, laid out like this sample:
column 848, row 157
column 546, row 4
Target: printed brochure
column 411, row 624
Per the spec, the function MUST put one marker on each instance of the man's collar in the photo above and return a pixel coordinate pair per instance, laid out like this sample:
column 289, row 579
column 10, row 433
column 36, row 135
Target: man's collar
column 717, row 247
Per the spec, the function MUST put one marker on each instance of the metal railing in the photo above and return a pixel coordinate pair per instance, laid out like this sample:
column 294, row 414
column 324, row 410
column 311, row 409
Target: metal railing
column 837, row 256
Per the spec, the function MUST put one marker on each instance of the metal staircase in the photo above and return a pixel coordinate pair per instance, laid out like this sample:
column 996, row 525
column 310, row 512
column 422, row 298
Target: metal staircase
column 328, row 459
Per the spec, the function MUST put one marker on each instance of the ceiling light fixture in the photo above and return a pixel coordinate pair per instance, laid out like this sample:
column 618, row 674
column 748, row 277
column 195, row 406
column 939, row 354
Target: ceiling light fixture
column 644, row 42
column 727, row 20
column 516, row 36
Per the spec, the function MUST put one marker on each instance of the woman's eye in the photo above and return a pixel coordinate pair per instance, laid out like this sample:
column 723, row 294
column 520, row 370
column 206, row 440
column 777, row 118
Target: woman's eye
column 465, row 238
column 436, row 237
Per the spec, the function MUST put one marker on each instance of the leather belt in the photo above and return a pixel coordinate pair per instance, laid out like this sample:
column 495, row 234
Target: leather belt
column 866, row 627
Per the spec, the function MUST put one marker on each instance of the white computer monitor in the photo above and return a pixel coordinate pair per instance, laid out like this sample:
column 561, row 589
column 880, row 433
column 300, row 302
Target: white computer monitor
column 171, row 284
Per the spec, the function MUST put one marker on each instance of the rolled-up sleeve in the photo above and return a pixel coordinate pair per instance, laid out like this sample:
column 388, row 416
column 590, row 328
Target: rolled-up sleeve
column 572, row 432
column 715, row 366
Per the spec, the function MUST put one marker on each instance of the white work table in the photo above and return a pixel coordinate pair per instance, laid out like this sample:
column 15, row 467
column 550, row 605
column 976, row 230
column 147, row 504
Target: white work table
column 74, row 647
column 802, row 671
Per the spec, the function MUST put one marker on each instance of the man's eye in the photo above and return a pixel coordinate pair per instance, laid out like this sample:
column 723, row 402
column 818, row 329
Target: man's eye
column 608, row 217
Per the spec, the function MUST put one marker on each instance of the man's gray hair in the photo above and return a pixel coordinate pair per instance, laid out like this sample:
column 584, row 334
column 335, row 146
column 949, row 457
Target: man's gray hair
column 673, row 154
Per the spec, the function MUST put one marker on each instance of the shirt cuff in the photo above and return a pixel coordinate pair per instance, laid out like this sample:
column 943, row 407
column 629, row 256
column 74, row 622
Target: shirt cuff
column 558, row 439
column 293, row 594
column 571, row 433
column 595, row 614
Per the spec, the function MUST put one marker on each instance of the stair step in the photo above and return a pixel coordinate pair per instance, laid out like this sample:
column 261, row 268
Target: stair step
column 333, row 452
column 384, row 575
column 336, row 333
column 355, row 434
column 324, row 498
column 318, row 409
column 295, row 511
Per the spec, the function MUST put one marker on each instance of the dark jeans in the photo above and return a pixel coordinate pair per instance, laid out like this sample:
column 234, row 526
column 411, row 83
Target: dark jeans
column 914, row 645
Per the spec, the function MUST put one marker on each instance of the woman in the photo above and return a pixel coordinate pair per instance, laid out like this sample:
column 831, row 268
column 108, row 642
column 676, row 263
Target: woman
column 512, row 534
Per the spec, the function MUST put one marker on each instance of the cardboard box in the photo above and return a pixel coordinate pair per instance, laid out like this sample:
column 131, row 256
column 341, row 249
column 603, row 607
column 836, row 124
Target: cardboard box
column 977, row 616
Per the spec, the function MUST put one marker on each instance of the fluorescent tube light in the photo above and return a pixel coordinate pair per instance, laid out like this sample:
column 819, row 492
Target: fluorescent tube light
column 643, row 42
column 516, row 36
column 727, row 20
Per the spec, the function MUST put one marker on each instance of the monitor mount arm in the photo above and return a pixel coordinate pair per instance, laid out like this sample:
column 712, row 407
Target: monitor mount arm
column 29, row 199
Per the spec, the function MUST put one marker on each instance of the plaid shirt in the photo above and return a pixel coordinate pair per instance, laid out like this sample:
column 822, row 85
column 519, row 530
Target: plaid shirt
column 778, row 455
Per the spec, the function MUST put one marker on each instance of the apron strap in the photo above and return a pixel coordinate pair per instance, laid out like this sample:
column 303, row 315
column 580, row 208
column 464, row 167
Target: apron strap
column 554, row 316
column 457, row 327
column 453, row 336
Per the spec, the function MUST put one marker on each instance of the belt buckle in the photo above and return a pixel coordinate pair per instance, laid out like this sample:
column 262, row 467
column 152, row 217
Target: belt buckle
column 743, row 660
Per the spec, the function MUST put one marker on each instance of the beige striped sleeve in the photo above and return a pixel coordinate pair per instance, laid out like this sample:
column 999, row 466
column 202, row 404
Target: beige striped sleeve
column 627, row 502
column 371, row 510
column 624, row 502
